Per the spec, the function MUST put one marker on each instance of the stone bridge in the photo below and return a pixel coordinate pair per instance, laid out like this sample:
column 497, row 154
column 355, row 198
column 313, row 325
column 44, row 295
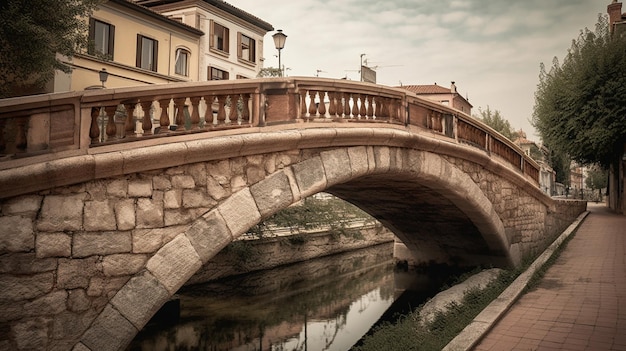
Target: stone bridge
column 111, row 200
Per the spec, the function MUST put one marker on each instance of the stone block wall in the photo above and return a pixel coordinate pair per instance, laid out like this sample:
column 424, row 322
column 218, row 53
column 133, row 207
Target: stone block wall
column 66, row 252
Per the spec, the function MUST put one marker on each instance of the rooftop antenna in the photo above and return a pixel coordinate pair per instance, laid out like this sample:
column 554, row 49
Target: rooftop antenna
column 317, row 72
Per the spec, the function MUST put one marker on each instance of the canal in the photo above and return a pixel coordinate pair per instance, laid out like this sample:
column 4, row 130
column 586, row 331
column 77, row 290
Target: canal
column 327, row 303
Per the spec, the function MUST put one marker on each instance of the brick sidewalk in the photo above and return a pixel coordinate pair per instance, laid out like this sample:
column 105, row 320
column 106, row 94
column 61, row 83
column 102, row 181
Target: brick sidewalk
column 580, row 304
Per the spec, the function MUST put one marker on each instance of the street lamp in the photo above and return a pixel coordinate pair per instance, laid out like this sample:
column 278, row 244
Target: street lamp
column 104, row 75
column 279, row 42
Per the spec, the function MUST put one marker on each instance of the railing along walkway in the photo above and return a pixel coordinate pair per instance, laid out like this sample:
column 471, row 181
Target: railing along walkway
column 57, row 124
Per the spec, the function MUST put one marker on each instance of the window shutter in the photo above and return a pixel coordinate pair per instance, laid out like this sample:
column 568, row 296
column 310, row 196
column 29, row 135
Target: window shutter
column 92, row 36
column 211, row 34
column 252, row 50
column 138, row 63
column 239, row 51
column 156, row 56
column 111, row 40
column 226, row 39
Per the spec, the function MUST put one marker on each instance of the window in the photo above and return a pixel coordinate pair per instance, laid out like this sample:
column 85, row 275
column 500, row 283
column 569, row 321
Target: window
column 239, row 76
column 101, row 36
column 246, row 48
column 217, row 74
column 182, row 62
column 219, row 37
column 147, row 53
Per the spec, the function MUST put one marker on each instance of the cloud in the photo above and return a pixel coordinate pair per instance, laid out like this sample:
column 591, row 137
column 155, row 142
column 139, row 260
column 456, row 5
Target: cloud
column 492, row 49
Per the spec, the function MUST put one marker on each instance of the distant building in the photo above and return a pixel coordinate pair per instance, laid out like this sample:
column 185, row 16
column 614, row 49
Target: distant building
column 136, row 46
column 445, row 96
column 617, row 19
column 539, row 153
column 233, row 45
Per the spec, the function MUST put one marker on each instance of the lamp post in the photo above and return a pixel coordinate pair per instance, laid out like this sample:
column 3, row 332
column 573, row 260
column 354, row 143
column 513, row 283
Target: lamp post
column 279, row 42
column 104, row 75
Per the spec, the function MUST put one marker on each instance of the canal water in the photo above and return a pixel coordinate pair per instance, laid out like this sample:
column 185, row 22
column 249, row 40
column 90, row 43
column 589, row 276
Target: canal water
column 322, row 304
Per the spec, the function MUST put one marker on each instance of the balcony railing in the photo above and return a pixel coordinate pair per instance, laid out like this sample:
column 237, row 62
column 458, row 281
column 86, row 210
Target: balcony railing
column 47, row 125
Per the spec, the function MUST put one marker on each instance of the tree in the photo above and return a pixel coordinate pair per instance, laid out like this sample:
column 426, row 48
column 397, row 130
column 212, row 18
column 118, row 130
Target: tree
column 497, row 122
column 579, row 105
column 32, row 33
column 597, row 178
column 269, row 72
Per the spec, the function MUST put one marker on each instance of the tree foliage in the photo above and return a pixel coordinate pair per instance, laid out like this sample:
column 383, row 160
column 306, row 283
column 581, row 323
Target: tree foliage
column 32, row 33
column 579, row 105
column 495, row 120
column 269, row 72
column 597, row 178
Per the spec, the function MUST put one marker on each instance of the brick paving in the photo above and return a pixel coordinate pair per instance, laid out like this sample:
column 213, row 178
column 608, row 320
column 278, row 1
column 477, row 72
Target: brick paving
column 580, row 303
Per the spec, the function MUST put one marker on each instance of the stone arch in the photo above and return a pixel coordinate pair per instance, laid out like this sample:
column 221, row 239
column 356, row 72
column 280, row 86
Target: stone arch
column 174, row 263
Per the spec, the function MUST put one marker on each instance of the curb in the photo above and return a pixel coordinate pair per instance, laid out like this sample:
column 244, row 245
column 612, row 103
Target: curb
column 486, row 319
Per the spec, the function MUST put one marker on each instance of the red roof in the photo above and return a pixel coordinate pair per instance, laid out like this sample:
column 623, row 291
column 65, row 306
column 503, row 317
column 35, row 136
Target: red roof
column 427, row 89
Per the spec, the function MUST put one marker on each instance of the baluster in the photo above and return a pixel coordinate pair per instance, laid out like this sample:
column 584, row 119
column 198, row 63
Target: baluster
column 164, row 120
column 346, row 105
column 362, row 110
column 370, row 108
column 195, row 114
column 245, row 111
column 3, row 143
column 312, row 107
column 111, row 129
column 303, row 108
column 179, row 104
column 378, row 112
column 94, row 130
column 146, row 122
column 221, row 110
column 355, row 107
column 332, row 108
column 234, row 101
column 322, row 105
column 129, row 127
column 209, row 100
column 20, row 138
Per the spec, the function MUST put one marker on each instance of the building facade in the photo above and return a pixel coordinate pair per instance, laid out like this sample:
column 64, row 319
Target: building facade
column 539, row 153
column 446, row 96
column 136, row 46
column 233, row 45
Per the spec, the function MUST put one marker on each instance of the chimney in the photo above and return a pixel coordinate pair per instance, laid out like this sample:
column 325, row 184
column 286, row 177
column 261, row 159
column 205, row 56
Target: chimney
column 615, row 14
column 453, row 88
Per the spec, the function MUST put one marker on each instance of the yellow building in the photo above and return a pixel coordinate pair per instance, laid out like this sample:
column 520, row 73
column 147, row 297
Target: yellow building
column 135, row 46
column 233, row 45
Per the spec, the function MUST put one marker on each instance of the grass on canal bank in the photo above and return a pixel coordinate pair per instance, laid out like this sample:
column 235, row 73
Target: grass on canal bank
column 408, row 333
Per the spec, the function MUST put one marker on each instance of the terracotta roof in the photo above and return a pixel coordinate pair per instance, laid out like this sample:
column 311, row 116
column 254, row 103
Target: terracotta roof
column 220, row 4
column 427, row 89
column 143, row 9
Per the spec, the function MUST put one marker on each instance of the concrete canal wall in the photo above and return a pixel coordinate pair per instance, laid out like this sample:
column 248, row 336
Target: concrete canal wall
column 245, row 256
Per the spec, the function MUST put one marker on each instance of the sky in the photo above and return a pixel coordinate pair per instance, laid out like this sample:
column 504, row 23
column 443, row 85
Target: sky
column 492, row 49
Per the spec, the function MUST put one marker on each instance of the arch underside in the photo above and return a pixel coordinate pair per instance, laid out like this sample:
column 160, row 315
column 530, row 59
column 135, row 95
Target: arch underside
column 432, row 227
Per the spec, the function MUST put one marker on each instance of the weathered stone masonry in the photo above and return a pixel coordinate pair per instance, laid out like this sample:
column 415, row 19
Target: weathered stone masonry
column 84, row 267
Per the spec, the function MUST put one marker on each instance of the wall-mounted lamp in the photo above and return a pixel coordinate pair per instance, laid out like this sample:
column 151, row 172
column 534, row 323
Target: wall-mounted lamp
column 104, row 75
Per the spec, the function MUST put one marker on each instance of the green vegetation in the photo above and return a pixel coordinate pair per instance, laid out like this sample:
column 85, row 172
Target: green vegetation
column 313, row 213
column 495, row 120
column 579, row 108
column 408, row 333
column 32, row 33
column 597, row 179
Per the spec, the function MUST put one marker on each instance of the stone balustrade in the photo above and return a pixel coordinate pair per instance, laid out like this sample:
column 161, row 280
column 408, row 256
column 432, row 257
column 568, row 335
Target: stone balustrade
column 35, row 129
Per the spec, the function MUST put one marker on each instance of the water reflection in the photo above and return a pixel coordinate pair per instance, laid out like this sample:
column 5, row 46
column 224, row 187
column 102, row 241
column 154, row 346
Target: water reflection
column 321, row 304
